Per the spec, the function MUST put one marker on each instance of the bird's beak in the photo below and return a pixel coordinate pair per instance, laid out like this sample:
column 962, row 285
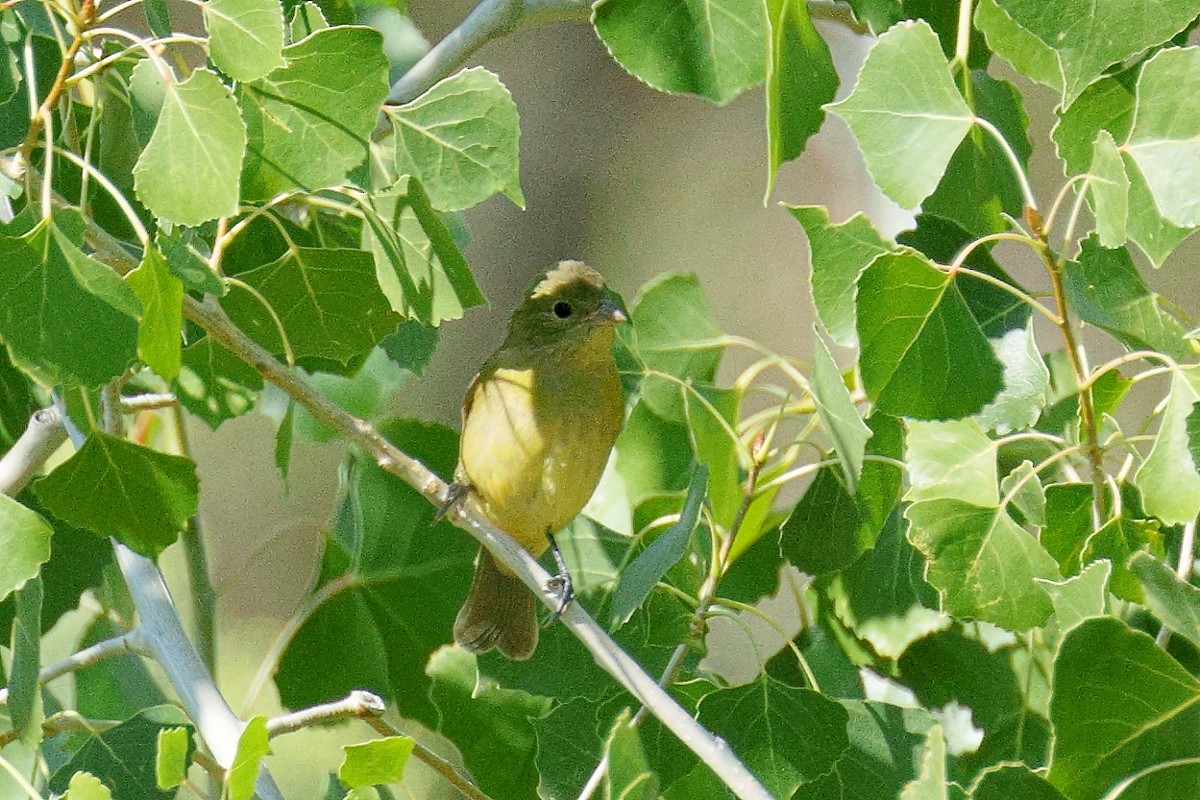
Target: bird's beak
column 608, row 313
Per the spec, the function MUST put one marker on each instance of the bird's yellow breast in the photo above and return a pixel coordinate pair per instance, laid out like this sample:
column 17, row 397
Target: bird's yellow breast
column 537, row 435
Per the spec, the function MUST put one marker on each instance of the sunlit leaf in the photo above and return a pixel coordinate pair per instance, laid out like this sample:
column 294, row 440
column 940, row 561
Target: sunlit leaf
column 838, row 414
column 252, row 747
column 1168, row 478
column 24, row 544
column 374, row 762
column 1174, row 601
column 1109, row 186
column 160, row 343
column 244, row 36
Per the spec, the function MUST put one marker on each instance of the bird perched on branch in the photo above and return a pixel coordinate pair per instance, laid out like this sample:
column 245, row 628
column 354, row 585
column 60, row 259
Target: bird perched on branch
column 539, row 421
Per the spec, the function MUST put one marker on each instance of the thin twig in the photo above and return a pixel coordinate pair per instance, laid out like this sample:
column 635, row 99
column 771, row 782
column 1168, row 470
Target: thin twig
column 43, row 435
column 125, row 643
column 147, row 402
column 356, row 705
column 431, row 759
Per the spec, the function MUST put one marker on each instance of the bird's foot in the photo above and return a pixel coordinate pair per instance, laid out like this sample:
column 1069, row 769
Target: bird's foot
column 559, row 585
column 455, row 495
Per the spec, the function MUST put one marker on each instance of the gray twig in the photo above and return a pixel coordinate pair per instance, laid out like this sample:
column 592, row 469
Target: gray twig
column 125, row 643
column 42, row 436
column 356, row 705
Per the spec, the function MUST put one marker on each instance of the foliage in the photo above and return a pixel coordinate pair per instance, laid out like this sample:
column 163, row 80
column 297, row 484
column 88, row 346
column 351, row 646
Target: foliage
column 989, row 520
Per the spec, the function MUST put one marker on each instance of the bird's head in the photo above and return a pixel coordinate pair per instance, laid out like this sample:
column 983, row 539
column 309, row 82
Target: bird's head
column 567, row 303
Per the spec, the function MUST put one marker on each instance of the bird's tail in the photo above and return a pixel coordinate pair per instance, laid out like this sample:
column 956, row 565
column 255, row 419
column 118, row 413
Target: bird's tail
column 498, row 612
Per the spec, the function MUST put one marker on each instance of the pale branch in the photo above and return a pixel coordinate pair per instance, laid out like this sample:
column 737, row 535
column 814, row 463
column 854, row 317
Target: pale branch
column 131, row 642
column 147, row 402
column 167, row 643
column 200, row 585
column 490, row 20
column 431, row 759
column 356, row 705
column 714, row 752
column 43, row 435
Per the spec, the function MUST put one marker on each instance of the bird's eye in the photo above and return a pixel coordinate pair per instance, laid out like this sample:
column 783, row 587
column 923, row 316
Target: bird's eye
column 562, row 309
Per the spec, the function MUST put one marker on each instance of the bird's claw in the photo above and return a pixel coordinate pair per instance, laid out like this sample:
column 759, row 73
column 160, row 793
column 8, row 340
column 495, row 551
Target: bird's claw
column 559, row 586
column 454, row 495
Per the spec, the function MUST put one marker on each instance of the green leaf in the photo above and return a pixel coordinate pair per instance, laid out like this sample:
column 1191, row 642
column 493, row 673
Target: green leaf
column 1192, row 426
column 983, row 563
column 885, row 743
column 307, row 18
column 308, row 122
column 1105, row 289
column 800, row 79
column 417, row 262
column 411, row 345
column 923, row 354
column 1029, row 497
column 24, row 545
column 930, row 784
column 1165, row 140
column 1026, row 383
column 374, row 762
column 1109, row 187
column 1115, row 542
column 491, row 727
column 1105, row 105
column 116, row 488
column 283, row 439
column 838, row 414
column 1121, row 704
column 252, row 747
column 116, row 687
column 1068, row 524
column 711, row 48
column 158, row 17
column 329, row 302
column 244, row 36
column 951, row 460
column 25, row 691
column 160, row 342
column 1091, row 35
column 673, row 332
column 460, row 139
column 125, row 755
column 1168, row 478
column 906, row 113
column 838, row 255
column 980, row 190
column 1006, row 781
column 402, row 583
column 48, row 279
column 214, row 384
column 172, row 759
column 84, row 785
column 786, row 736
column 1077, row 598
column 822, row 534
column 640, row 576
column 1174, row 601
column 1147, row 228
column 188, row 173
column 181, row 248
column 630, row 776
column 568, row 747
column 1028, row 54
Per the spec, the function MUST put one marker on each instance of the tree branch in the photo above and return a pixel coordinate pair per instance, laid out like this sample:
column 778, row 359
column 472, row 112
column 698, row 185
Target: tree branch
column 43, row 435
column 168, row 644
column 490, row 20
column 714, row 752
column 131, row 642
column 357, row 705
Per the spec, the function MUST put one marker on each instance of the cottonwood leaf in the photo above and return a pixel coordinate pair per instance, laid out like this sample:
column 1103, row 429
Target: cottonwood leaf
column 822, row 534
column 906, row 112
column 1091, row 35
column 1168, row 478
column 24, row 545
column 252, row 747
column 113, row 487
column 214, row 384
column 47, row 279
column 85, row 786
column 923, row 353
column 160, row 340
column 1028, row 54
column 1120, row 704
column 245, row 37
column 172, row 757
column 188, row 173
column 1028, row 494
column 838, row 254
column 630, row 776
column 1109, row 187
column 1026, row 383
column 1174, row 601
column 983, row 563
column 930, row 783
column 309, row 122
column 1165, row 139
column 711, row 48
column 116, row 687
column 374, row 762
column 328, row 301
column 786, row 736
column 1006, row 781
column 461, row 140
column 1077, row 598
column 25, row 707
column 951, row 460
column 800, row 79
column 838, row 414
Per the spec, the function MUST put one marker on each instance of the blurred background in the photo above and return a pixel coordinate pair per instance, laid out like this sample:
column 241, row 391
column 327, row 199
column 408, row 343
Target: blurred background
column 634, row 182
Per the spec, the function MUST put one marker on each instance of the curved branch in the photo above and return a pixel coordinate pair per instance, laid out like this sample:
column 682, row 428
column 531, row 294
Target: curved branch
column 42, row 436
column 645, row 689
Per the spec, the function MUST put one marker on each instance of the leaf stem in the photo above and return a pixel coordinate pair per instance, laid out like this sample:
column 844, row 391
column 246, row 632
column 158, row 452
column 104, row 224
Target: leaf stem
column 962, row 44
column 82, row 21
column 1022, row 178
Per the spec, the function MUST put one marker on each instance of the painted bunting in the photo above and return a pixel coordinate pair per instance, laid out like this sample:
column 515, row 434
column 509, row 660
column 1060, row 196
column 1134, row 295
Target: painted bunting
column 539, row 421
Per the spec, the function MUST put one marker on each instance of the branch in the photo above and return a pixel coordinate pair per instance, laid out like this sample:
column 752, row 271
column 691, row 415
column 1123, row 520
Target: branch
column 714, row 752
column 131, row 642
column 168, row 644
column 357, row 705
column 491, row 19
column 42, row 436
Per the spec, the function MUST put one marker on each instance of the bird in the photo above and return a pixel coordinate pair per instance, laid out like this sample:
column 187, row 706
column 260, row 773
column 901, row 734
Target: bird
column 538, row 423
